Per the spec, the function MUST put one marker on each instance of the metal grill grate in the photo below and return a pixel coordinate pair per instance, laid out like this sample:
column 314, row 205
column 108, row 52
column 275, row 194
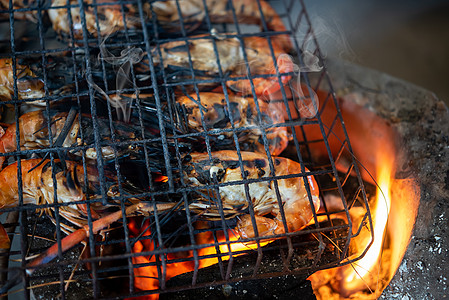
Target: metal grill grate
column 74, row 70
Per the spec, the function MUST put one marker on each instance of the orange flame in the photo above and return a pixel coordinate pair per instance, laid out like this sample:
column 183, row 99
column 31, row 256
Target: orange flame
column 366, row 277
column 374, row 142
column 147, row 277
column 160, row 178
column 366, row 271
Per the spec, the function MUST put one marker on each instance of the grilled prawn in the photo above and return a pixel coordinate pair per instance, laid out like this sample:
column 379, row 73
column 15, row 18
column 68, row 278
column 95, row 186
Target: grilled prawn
column 210, row 111
column 110, row 18
column 29, row 86
column 37, row 186
column 33, row 128
column 224, row 167
column 201, row 52
column 246, row 11
column 30, row 15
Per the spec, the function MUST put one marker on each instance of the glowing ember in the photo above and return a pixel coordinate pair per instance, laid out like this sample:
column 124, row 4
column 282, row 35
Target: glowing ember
column 160, row 178
column 147, row 276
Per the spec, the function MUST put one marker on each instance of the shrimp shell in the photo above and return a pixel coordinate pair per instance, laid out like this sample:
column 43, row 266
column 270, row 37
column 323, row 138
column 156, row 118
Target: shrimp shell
column 30, row 15
column 201, row 52
column 224, row 168
column 33, row 128
column 37, row 184
column 38, row 188
column 216, row 115
column 110, row 18
column 247, row 12
column 28, row 85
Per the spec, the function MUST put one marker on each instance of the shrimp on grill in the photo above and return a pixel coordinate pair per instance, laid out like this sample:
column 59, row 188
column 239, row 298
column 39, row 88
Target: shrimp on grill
column 224, row 167
column 231, row 59
column 247, row 12
column 37, row 186
column 110, row 18
column 19, row 4
column 33, row 128
column 243, row 112
column 29, row 86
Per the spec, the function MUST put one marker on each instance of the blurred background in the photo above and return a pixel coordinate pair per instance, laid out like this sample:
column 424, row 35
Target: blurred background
column 408, row 39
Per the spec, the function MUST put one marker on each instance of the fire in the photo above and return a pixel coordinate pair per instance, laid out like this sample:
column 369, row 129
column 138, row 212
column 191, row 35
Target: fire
column 366, row 277
column 147, row 276
column 160, row 178
column 366, row 270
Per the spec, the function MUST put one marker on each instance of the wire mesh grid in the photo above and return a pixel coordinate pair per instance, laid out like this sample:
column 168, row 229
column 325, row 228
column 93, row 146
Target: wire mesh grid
column 148, row 85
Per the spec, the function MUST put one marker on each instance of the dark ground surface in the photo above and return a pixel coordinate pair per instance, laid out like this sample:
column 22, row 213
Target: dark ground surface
column 285, row 287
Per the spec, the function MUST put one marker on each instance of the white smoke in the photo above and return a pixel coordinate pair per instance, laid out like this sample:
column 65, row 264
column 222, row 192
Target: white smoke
column 304, row 97
column 123, row 62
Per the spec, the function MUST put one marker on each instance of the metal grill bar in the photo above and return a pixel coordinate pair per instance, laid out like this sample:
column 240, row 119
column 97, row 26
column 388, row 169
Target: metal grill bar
column 161, row 134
